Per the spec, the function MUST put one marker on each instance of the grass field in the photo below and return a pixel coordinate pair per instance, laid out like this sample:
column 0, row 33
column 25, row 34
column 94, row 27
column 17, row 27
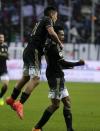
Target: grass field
column 85, row 99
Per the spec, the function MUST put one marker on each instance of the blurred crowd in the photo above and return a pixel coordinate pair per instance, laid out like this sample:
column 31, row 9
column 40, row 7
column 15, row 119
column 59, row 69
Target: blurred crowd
column 80, row 19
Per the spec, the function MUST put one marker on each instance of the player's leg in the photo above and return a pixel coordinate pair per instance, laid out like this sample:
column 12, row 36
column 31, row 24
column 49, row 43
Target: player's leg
column 16, row 91
column 20, row 84
column 31, row 84
column 34, row 73
column 47, row 114
column 5, row 82
column 54, row 96
column 67, row 110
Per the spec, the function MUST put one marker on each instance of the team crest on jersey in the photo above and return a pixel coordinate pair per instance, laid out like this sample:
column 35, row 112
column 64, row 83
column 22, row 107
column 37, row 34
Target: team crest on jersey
column 60, row 54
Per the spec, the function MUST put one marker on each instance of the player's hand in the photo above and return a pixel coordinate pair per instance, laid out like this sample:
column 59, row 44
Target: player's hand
column 81, row 62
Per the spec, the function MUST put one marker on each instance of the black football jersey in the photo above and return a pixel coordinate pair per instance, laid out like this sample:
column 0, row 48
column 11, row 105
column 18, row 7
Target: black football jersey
column 53, row 56
column 55, row 60
column 39, row 33
column 3, row 58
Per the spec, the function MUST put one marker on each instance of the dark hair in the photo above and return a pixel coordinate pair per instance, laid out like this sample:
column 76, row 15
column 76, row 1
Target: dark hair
column 1, row 33
column 48, row 10
column 57, row 28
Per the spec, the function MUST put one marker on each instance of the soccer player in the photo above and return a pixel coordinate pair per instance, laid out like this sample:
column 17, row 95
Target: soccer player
column 55, row 77
column 3, row 68
column 32, row 59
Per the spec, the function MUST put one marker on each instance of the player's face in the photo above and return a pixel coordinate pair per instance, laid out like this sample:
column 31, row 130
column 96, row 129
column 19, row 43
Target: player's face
column 61, row 35
column 1, row 38
column 54, row 16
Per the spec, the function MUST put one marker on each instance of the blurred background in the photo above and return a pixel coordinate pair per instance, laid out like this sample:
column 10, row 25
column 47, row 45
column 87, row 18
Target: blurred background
column 81, row 20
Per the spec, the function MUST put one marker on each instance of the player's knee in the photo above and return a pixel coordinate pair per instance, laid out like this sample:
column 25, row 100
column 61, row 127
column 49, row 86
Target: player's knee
column 5, row 86
column 67, row 103
column 55, row 106
column 36, row 81
column 25, row 79
column 67, row 106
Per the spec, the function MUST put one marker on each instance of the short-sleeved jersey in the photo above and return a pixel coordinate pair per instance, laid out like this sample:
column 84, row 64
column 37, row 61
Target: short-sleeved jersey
column 53, row 54
column 39, row 33
column 3, row 58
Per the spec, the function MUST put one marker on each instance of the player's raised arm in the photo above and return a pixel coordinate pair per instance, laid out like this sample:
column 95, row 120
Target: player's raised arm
column 54, row 36
column 51, row 17
column 68, row 64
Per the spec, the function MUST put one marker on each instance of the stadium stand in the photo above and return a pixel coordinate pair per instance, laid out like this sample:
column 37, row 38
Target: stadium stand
column 76, row 16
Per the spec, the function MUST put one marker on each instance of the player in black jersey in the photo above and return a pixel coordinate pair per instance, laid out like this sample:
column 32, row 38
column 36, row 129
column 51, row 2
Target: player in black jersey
column 55, row 77
column 3, row 68
column 32, row 58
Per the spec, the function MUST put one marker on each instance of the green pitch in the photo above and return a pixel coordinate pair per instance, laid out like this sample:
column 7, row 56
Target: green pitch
column 85, row 108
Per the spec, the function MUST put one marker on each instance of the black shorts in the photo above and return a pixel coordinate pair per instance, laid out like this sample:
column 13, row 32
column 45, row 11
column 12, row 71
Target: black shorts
column 56, row 83
column 32, row 61
column 57, row 88
column 31, row 55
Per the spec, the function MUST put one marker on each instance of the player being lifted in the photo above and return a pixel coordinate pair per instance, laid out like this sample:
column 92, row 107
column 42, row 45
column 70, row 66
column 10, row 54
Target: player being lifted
column 3, row 68
column 32, row 59
column 55, row 76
